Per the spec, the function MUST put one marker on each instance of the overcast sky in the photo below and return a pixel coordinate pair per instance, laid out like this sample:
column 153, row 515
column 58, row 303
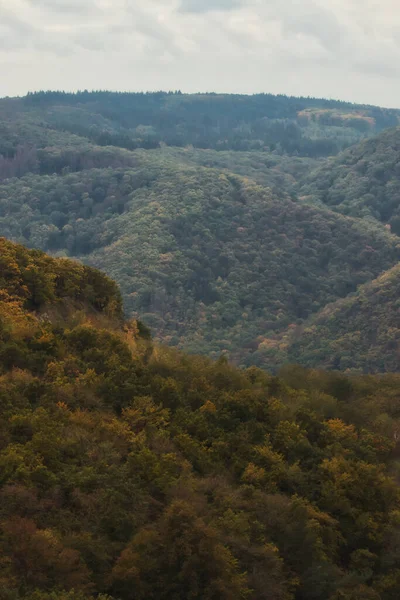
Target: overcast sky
column 348, row 49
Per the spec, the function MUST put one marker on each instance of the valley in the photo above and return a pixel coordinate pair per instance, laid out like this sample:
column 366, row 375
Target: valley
column 224, row 248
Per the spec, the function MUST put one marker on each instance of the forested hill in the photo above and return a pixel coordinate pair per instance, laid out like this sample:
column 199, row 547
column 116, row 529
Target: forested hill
column 360, row 332
column 304, row 126
column 363, row 181
column 211, row 261
column 218, row 215
column 133, row 471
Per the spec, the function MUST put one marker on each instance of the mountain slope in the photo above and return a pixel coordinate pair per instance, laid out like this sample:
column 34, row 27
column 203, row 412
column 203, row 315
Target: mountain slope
column 363, row 181
column 359, row 332
column 208, row 259
column 208, row 241
column 128, row 471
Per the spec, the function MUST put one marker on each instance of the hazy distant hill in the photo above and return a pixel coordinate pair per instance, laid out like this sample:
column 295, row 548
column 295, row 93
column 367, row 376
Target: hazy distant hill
column 304, row 126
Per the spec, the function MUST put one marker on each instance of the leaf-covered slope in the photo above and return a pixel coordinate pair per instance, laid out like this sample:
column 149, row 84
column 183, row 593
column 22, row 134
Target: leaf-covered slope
column 360, row 332
column 133, row 472
column 304, row 126
column 34, row 280
column 276, row 171
column 210, row 260
column 363, row 181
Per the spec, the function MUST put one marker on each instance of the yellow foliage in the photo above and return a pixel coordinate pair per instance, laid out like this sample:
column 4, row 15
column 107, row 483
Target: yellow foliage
column 340, row 430
column 208, row 407
column 253, row 474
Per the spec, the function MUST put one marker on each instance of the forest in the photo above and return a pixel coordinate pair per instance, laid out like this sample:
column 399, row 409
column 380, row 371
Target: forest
column 363, row 181
column 199, row 348
column 296, row 126
column 129, row 470
column 359, row 333
column 211, row 262
column 224, row 237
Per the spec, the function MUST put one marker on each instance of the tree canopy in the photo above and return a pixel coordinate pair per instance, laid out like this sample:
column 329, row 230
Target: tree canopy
column 129, row 470
column 225, row 219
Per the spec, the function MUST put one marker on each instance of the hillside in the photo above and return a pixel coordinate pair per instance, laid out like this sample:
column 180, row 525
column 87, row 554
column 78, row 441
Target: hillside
column 301, row 126
column 363, row 181
column 209, row 260
column 128, row 471
column 360, row 332
column 218, row 215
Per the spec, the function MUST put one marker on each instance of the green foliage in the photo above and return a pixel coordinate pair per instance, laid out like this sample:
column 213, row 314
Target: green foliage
column 189, row 202
column 360, row 332
column 306, row 126
column 363, row 181
column 132, row 471
column 210, row 261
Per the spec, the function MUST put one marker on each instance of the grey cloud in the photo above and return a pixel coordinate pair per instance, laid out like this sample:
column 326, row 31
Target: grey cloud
column 18, row 34
column 369, row 66
column 89, row 41
column 158, row 33
column 15, row 33
column 15, row 24
column 153, row 30
column 204, row 6
column 9, row 42
column 68, row 6
column 310, row 19
column 319, row 24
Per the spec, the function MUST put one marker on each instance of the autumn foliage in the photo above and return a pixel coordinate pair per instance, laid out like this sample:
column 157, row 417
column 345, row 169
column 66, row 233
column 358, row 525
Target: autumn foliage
column 134, row 472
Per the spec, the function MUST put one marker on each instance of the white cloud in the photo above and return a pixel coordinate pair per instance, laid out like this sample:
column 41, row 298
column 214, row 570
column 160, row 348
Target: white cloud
column 331, row 48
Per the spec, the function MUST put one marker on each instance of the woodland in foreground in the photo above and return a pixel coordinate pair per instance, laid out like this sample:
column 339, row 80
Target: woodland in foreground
column 134, row 471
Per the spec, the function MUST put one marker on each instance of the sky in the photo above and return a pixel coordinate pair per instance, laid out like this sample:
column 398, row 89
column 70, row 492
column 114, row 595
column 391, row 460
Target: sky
column 347, row 49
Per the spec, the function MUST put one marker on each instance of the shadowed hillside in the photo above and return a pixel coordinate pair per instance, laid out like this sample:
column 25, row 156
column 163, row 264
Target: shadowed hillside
column 209, row 260
column 361, row 332
column 363, row 181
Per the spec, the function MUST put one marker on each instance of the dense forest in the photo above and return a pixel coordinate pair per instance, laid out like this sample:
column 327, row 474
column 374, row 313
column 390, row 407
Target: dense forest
column 130, row 471
column 363, row 181
column 305, row 126
column 226, row 220
column 360, row 332
column 212, row 262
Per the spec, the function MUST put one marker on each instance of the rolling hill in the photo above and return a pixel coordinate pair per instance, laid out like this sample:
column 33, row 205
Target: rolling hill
column 208, row 259
column 300, row 126
column 219, row 216
column 360, row 332
column 363, row 181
